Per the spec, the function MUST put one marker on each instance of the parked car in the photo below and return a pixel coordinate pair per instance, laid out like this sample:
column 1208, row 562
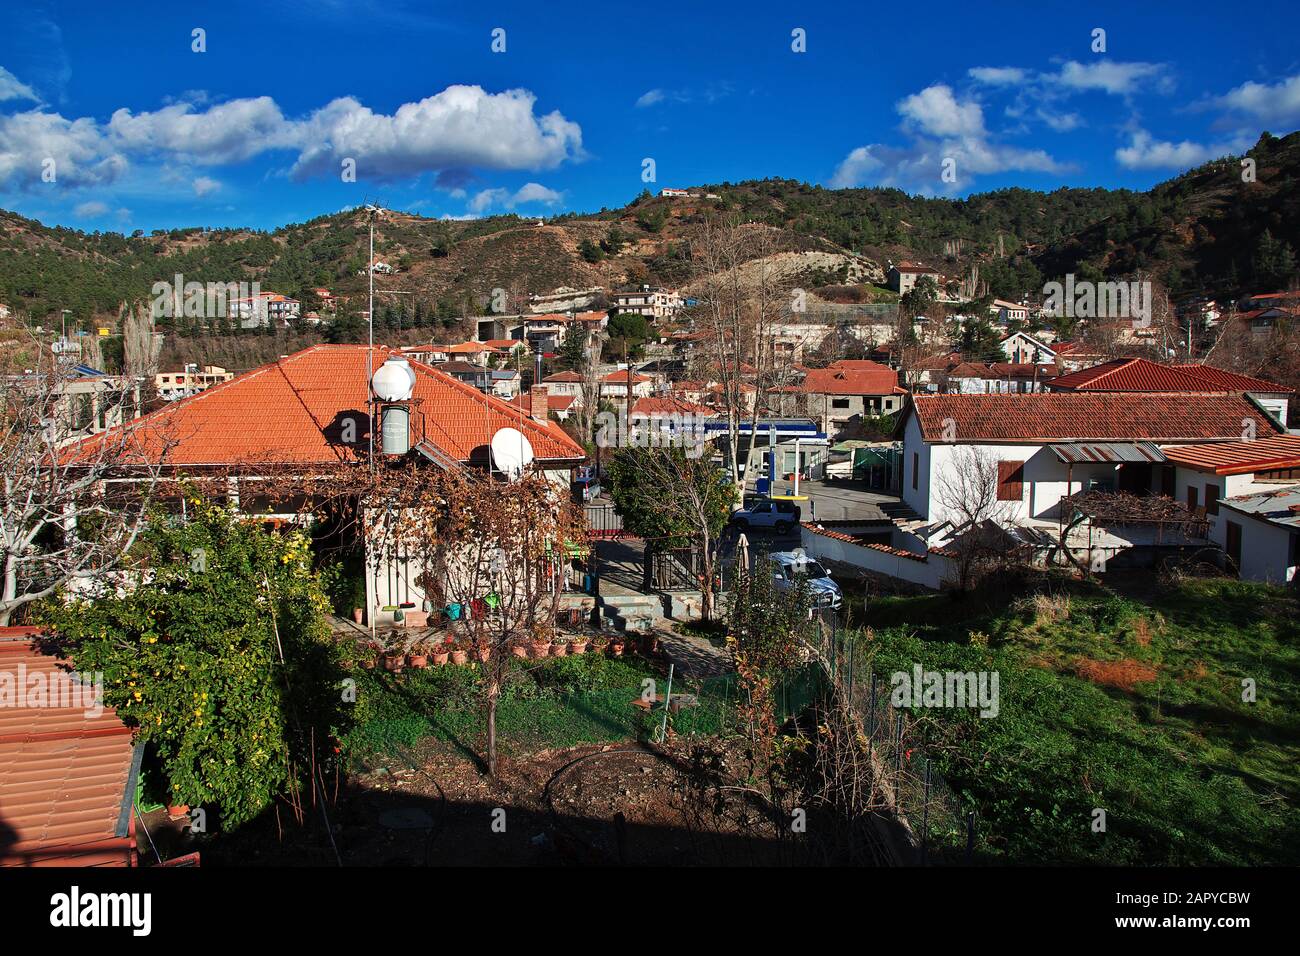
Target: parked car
column 779, row 516
column 788, row 565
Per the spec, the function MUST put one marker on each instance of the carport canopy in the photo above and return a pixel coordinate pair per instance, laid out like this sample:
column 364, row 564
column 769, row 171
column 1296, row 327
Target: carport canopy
column 1108, row 452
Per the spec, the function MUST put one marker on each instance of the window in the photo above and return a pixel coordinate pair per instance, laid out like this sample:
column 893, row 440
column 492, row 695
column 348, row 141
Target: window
column 1212, row 499
column 916, row 467
column 839, row 403
column 1234, row 545
column 1192, row 502
column 1011, row 480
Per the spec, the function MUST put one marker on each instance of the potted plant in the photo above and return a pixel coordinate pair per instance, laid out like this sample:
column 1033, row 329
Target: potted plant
column 394, row 660
column 599, row 643
column 519, row 649
column 418, row 656
column 616, row 645
column 459, row 653
column 441, row 652
column 578, row 644
column 483, row 652
column 541, row 643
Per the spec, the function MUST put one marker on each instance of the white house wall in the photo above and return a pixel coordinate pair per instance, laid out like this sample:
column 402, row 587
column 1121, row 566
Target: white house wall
column 1265, row 547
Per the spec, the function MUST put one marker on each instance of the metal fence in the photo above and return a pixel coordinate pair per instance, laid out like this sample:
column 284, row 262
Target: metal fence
column 943, row 827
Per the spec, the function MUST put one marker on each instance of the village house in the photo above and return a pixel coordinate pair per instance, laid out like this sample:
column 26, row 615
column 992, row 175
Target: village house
column 263, row 309
column 1049, row 446
column 992, row 378
column 903, row 277
column 310, row 410
column 1023, row 348
column 559, row 407
column 1143, row 375
column 654, row 304
column 171, row 386
column 616, row 384
column 1004, row 311
column 841, row 395
column 1260, row 534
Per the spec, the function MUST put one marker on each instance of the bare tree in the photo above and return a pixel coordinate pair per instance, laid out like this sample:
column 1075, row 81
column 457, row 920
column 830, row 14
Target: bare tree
column 64, row 521
column 968, row 493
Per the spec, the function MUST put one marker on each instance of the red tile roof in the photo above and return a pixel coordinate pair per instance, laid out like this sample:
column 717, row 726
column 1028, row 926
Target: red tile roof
column 1239, row 457
column 668, row 406
column 860, row 378
column 1099, row 416
column 290, row 412
column 1131, row 375
column 554, row 403
column 563, row 377
column 620, row 378
column 1232, row 381
column 64, row 774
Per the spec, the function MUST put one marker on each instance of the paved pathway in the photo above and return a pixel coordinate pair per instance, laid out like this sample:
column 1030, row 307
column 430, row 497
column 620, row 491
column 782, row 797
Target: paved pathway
column 694, row 658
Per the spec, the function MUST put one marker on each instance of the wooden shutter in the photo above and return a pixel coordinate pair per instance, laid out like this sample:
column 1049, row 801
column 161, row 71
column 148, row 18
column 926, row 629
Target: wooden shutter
column 1011, row 480
column 1212, row 499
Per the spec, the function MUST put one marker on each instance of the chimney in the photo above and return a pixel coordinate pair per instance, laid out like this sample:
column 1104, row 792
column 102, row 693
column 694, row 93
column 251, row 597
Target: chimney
column 537, row 403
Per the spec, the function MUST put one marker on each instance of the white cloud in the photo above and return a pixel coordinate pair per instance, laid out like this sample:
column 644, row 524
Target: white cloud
column 1276, row 104
column 527, row 193
column 1110, row 76
column 227, row 133
column 936, row 111
column 650, row 98
column 90, row 210
column 80, row 154
column 998, row 75
column 464, row 217
column 535, row 192
column 13, row 89
column 1060, row 122
column 203, row 185
column 1146, row 152
column 461, row 127
column 944, row 129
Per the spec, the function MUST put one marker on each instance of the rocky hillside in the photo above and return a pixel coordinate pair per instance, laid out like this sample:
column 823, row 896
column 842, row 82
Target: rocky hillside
column 1204, row 231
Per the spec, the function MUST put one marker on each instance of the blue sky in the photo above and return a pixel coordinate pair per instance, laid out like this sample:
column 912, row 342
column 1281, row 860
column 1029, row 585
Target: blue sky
column 144, row 132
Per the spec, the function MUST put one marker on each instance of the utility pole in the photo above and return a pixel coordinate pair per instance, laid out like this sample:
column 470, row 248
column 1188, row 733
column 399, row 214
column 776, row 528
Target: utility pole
column 370, row 323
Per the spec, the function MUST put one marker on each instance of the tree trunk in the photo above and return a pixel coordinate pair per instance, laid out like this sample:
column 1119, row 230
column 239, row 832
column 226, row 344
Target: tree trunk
column 494, row 694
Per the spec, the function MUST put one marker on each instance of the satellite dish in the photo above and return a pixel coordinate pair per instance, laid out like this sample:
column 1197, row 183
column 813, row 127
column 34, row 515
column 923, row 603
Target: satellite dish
column 512, row 452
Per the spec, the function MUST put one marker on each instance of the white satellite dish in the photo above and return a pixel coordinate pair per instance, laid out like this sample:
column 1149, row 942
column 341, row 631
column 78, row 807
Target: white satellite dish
column 512, row 452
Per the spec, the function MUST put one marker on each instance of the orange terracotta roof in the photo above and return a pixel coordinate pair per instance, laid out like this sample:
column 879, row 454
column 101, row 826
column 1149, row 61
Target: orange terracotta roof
column 64, row 774
column 292, row 411
column 668, row 406
column 1132, row 375
column 1239, row 457
column 860, row 378
column 563, row 377
column 620, row 378
column 554, row 403
column 1037, row 418
column 1232, row 381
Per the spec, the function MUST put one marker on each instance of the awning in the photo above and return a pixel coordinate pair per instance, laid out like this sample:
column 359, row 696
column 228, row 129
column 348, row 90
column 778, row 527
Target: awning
column 1108, row 452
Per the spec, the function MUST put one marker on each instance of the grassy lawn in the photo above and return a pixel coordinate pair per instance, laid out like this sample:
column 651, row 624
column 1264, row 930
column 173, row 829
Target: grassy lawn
column 551, row 704
column 1127, row 702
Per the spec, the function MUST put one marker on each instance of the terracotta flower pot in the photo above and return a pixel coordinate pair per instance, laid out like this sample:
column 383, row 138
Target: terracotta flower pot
column 418, row 660
column 559, row 650
column 368, row 663
column 483, row 654
column 394, row 662
column 616, row 647
column 578, row 647
column 178, row 810
column 519, row 650
column 541, row 650
column 358, row 614
column 459, row 656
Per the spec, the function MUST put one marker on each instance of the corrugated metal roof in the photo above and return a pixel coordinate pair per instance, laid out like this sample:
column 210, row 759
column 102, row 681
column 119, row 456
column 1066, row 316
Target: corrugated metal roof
column 65, row 775
column 1279, row 507
column 1239, row 457
column 1081, row 452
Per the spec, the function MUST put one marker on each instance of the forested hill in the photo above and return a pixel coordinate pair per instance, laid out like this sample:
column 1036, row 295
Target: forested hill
column 1204, row 231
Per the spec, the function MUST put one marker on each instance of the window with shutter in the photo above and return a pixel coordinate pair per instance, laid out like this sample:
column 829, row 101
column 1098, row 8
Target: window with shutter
column 1011, row 480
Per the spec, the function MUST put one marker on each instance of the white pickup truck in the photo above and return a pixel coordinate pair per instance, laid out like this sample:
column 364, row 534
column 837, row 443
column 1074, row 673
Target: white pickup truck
column 779, row 516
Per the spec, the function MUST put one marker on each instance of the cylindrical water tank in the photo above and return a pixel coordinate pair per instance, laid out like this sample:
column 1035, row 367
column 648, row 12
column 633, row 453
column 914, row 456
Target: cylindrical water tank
column 396, row 429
